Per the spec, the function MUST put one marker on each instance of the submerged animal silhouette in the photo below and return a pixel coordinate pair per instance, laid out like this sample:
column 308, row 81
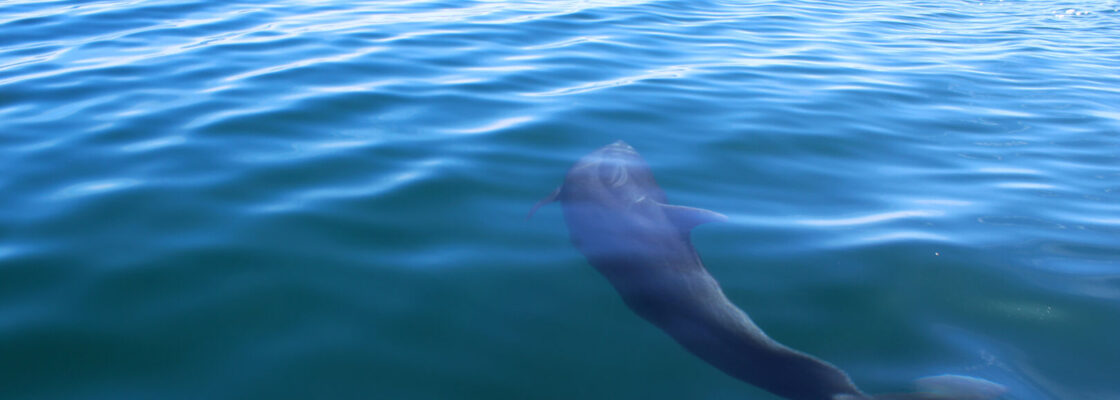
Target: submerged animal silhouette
column 620, row 219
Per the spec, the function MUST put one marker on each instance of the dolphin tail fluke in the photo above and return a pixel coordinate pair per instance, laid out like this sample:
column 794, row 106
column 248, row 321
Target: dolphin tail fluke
column 942, row 387
column 548, row 199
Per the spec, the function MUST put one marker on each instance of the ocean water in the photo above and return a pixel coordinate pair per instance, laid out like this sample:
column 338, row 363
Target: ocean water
column 326, row 199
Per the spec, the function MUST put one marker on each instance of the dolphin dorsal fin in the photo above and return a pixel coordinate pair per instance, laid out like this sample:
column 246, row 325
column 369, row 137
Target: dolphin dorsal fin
column 686, row 218
column 555, row 195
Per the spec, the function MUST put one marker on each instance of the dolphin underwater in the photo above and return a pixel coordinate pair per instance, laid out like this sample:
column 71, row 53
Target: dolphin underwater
column 621, row 221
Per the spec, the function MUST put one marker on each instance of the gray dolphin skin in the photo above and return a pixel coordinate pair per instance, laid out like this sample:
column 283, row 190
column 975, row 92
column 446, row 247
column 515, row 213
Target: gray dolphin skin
column 621, row 221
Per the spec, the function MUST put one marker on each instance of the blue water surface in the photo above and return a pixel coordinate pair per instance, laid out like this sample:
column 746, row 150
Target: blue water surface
column 325, row 199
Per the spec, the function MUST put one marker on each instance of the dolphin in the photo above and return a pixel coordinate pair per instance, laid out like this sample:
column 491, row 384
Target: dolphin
column 621, row 221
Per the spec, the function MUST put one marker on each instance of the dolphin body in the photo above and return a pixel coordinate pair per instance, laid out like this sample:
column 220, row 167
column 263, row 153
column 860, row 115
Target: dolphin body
column 621, row 221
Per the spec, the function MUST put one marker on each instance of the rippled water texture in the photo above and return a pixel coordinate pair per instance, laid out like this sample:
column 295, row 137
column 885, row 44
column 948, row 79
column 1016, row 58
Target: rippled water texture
column 309, row 199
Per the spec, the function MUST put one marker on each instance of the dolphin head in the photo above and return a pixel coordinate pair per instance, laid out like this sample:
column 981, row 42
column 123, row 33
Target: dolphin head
column 614, row 177
column 614, row 208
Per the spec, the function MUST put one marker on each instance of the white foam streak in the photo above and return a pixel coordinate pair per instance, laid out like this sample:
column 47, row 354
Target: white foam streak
column 873, row 218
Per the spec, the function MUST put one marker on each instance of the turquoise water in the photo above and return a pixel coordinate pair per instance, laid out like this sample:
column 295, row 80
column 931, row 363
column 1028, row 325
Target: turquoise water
column 306, row 199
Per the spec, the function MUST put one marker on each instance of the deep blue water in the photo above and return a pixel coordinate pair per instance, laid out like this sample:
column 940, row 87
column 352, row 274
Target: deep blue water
column 316, row 199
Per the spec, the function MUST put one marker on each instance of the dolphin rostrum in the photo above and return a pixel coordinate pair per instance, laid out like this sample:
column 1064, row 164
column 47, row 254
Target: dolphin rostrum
column 619, row 218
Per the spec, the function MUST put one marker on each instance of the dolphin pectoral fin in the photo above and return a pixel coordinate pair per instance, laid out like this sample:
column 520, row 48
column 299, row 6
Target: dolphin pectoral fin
column 555, row 195
column 686, row 218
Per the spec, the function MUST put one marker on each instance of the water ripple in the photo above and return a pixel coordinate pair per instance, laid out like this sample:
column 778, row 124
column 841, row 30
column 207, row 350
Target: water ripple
column 871, row 219
column 323, row 199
